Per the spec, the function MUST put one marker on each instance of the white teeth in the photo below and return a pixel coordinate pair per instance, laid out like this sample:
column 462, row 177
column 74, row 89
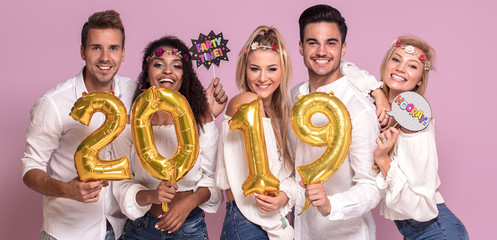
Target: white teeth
column 104, row 68
column 322, row 61
column 166, row 80
column 398, row 78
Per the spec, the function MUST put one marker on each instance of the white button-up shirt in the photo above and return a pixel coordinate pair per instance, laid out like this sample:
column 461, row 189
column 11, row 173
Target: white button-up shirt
column 51, row 141
column 352, row 191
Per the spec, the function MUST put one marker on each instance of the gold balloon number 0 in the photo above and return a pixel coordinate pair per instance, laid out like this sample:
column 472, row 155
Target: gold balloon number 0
column 336, row 135
column 177, row 106
column 248, row 120
column 87, row 161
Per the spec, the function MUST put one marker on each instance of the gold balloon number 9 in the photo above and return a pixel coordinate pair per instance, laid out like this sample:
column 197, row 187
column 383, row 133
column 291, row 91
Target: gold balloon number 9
column 336, row 135
column 260, row 179
column 87, row 161
column 171, row 101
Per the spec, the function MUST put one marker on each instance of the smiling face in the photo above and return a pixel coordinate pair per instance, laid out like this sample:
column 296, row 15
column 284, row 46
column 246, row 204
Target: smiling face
column 322, row 50
column 166, row 70
column 263, row 73
column 403, row 71
column 103, row 55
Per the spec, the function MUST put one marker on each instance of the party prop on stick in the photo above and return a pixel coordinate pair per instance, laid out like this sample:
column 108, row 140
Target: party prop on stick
column 336, row 135
column 209, row 49
column 248, row 120
column 411, row 111
column 171, row 101
column 87, row 161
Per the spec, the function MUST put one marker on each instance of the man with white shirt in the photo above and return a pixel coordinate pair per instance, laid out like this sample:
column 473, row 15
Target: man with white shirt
column 341, row 205
column 73, row 209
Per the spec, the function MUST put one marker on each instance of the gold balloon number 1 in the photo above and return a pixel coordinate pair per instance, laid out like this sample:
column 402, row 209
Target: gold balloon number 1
column 88, row 164
column 336, row 135
column 248, row 120
column 177, row 106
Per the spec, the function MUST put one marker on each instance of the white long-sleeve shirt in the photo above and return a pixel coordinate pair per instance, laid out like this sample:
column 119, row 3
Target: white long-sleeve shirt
column 232, row 171
column 352, row 191
column 201, row 174
column 51, row 141
column 412, row 182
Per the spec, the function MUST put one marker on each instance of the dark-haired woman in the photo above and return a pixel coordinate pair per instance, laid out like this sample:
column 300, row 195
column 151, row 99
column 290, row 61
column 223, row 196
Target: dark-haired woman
column 166, row 63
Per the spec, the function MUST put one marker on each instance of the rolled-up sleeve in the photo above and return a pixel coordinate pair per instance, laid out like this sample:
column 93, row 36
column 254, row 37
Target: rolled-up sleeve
column 42, row 135
column 361, row 79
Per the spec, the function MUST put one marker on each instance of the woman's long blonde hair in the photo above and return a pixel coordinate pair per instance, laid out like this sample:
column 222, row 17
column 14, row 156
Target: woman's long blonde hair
column 279, row 109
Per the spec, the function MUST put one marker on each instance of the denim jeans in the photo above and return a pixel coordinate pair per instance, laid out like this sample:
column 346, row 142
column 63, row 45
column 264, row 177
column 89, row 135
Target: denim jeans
column 45, row 236
column 445, row 226
column 109, row 234
column 144, row 228
column 237, row 227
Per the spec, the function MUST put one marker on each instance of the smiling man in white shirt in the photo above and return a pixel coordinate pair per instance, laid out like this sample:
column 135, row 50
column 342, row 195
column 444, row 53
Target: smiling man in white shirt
column 73, row 209
column 341, row 205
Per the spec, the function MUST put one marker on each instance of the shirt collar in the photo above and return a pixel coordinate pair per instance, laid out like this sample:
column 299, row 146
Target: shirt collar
column 81, row 87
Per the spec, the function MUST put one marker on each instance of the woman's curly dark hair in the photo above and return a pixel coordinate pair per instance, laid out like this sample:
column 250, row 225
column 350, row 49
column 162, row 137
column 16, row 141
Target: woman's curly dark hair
column 191, row 87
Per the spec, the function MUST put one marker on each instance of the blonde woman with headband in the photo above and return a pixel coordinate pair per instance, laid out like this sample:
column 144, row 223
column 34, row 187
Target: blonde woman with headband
column 263, row 71
column 407, row 160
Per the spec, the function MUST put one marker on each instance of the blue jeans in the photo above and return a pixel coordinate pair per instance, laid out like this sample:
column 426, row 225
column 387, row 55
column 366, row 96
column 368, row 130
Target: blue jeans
column 109, row 234
column 237, row 227
column 144, row 228
column 445, row 226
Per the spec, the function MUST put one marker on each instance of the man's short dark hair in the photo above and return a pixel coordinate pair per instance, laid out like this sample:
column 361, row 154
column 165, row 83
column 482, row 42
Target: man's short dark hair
column 322, row 13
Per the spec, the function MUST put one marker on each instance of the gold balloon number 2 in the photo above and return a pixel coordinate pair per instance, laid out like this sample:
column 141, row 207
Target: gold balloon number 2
column 248, row 120
column 171, row 101
column 336, row 135
column 88, row 164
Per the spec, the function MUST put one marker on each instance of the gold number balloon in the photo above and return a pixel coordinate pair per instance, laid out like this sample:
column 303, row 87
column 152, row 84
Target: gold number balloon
column 171, row 101
column 260, row 179
column 336, row 135
column 88, row 164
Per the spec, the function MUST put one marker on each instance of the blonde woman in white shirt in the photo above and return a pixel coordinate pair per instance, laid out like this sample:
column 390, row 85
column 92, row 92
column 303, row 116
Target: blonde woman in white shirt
column 263, row 71
column 167, row 63
column 407, row 160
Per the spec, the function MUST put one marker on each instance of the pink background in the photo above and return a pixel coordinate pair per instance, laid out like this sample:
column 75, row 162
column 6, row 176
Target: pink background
column 40, row 43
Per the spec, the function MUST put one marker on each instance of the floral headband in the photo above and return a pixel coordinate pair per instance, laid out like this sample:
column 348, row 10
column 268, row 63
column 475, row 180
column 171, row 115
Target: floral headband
column 410, row 49
column 160, row 51
column 255, row 45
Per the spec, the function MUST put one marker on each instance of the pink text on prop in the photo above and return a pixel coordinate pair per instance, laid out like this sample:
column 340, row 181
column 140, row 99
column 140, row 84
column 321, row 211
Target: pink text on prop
column 210, row 49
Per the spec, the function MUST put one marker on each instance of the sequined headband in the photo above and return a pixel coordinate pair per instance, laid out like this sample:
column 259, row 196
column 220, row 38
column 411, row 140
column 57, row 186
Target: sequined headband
column 410, row 50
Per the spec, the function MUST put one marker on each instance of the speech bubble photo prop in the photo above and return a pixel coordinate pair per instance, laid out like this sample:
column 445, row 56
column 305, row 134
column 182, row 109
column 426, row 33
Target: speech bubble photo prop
column 209, row 49
column 411, row 111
